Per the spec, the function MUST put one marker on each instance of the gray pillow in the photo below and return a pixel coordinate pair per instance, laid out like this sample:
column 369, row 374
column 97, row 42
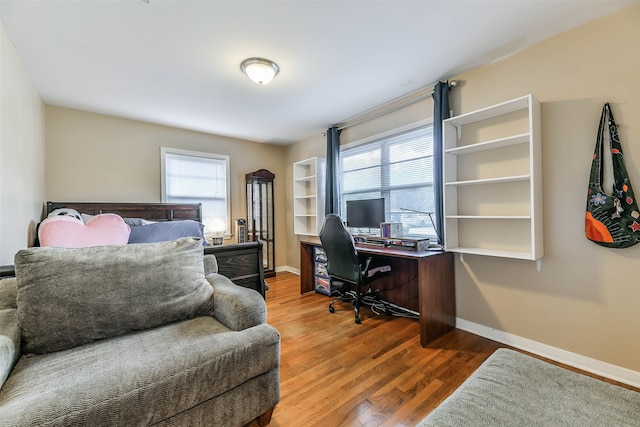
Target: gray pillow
column 132, row 222
column 68, row 297
column 166, row 230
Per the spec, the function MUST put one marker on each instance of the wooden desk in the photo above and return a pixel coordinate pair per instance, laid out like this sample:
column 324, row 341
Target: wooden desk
column 420, row 281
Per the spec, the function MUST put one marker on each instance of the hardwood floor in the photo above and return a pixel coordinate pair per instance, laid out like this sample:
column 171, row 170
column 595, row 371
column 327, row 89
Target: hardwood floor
column 337, row 373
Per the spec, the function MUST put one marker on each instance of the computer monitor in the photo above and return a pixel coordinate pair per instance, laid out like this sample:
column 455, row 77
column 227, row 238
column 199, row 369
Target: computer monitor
column 368, row 213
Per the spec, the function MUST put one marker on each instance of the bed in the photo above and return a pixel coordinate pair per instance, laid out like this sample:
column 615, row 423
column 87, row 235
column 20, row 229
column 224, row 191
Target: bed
column 241, row 262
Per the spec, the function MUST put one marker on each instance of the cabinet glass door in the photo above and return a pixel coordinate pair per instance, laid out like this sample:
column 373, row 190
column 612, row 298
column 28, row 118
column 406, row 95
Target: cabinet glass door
column 260, row 215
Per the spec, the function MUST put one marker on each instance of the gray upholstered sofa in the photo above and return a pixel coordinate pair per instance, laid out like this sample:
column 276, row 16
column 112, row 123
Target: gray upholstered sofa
column 133, row 335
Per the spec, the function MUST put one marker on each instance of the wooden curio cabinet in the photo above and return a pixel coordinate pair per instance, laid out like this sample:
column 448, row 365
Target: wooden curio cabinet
column 260, row 209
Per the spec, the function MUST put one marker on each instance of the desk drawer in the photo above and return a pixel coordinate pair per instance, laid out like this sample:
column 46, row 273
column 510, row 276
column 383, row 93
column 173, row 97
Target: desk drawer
column 321, row 270
column 319, row 255
column 325, row 286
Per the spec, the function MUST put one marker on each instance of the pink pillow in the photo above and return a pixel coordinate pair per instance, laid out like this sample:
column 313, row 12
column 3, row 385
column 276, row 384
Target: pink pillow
column 68, row 232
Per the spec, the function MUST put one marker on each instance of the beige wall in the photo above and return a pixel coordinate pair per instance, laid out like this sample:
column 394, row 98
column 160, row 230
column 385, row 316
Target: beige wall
column 93, row 157
column 22, row 153
column 585, row 298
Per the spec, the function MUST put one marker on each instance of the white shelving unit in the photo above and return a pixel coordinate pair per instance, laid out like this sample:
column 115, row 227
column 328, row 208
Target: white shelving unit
column 493, row 182
column 308, row 196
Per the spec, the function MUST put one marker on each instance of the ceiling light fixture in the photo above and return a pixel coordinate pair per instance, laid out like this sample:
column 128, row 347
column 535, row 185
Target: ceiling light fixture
column 259, row 70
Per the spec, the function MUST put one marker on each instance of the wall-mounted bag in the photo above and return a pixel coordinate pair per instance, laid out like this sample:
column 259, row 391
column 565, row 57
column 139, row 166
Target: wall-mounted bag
column 612, row 220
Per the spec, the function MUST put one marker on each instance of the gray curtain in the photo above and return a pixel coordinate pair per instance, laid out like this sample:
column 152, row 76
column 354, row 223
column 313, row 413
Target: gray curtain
column 440, row 112
column 332, row 173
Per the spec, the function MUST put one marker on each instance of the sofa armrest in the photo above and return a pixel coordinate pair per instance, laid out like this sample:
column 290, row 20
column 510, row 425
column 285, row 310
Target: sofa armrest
column 8, row 293
column 210, row 264
column 236, row 307
column 9, row 328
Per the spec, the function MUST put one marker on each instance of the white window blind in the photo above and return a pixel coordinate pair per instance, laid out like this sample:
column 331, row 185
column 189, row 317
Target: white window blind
column 398, row 168
column 196, row 177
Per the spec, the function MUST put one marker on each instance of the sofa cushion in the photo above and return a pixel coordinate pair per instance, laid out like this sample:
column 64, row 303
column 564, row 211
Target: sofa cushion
column 140, row 378
column 67, row 297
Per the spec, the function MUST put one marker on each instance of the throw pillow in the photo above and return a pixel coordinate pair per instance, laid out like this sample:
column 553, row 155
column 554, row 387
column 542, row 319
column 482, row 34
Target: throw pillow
column 69, row 232
column 166, row 230
column 66, row 212
column 69, row 296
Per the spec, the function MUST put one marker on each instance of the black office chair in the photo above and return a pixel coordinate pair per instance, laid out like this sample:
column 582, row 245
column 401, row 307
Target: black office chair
column 343, row 263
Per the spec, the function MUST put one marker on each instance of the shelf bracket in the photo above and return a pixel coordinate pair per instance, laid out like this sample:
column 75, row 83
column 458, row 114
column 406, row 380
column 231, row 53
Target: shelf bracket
column 538, row 264
column 458, row 131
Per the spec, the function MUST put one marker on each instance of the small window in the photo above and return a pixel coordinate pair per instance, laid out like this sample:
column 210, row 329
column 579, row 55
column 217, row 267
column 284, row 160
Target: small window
column 399, row 168
column 197, row 177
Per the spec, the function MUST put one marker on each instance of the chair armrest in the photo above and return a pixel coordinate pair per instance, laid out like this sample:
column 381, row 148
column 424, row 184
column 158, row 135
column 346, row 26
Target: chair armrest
column 9, row 342
column 365, row 268
column 8, row 293
column 9, row 328
column 370, row 273
column 210, row 264
column 236, row 307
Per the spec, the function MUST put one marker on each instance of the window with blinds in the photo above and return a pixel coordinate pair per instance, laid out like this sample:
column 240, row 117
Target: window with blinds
column 196, row 177
column 398, row 168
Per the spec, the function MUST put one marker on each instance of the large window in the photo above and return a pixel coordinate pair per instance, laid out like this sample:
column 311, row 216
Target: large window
column 195, row 177
column 399, row 168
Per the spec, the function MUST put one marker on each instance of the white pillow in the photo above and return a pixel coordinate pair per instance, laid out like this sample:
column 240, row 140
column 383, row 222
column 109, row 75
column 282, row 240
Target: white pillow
column 67, row 212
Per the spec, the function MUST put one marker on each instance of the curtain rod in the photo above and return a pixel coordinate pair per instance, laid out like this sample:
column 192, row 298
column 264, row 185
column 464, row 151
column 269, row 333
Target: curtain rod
column 389, row 110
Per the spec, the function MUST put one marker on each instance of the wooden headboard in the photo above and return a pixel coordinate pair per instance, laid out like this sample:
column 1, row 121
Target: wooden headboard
column 149, row 211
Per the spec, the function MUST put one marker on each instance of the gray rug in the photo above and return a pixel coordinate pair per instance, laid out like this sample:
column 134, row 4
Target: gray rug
column 513, row 389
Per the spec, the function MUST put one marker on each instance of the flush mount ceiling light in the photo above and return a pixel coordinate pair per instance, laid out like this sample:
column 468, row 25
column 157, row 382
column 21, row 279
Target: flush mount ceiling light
column 259, row 70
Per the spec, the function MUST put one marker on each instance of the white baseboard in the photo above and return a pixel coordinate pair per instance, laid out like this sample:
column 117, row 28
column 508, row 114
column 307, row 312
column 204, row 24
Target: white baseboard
column 289, row 269
column 588, row 364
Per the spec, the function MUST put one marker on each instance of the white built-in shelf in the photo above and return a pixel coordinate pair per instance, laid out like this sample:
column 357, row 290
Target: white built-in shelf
column 308, row 196
column 522, row 103
column 487, row 145
column 491, row 252
column 528, row 217
column 492, row 181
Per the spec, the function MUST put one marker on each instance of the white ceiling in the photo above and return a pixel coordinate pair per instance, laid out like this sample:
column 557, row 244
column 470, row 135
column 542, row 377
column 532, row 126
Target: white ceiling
column 177, row 62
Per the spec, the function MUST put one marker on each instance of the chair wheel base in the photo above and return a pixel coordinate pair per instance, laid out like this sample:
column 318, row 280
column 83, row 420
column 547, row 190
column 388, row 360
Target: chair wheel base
column 354, row 300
